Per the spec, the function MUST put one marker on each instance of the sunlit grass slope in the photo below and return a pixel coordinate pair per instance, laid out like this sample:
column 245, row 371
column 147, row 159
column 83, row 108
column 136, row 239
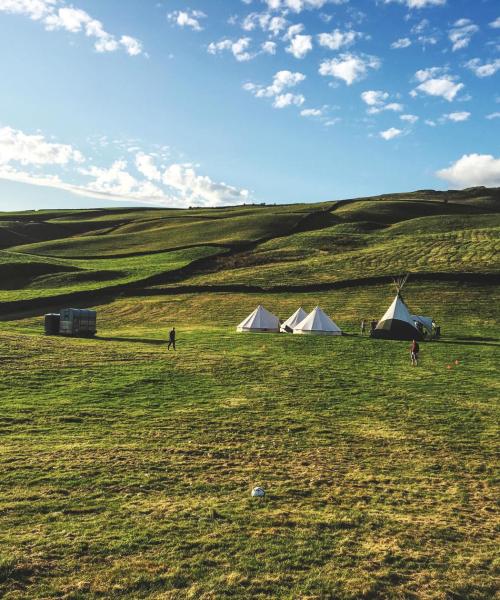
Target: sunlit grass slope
column 127, row 470
column 159, row 237
column 146, row 234
column 26, row 277
column 270, row 246
column 354, row 251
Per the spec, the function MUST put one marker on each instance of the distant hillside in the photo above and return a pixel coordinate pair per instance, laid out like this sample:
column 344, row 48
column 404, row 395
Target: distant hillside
column 478, row 196
column 55, row 256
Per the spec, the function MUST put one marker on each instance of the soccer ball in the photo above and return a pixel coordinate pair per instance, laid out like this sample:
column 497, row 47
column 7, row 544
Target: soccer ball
column 258, row 492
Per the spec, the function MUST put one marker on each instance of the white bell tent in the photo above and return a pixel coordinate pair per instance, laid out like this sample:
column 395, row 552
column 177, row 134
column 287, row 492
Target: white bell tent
column 298, row 316
column 317, row 323
column 260, row 321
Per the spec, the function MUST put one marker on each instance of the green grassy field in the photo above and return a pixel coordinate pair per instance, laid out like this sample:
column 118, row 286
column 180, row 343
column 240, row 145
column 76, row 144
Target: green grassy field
column 127, row 469
column 42, row 277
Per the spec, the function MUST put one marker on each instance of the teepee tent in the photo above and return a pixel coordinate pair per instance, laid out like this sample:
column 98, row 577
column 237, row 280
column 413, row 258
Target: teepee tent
column 260, row 321
column 397, row 323
column 317, row 323
column 298, row 316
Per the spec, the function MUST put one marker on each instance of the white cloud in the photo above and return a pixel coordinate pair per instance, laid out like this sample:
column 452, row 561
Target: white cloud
column 311, row 112
column 34, row 9
column 418, row 3
column 420, row 27
column 282, row 81
column 115, row 180
column 409, row 118
column 269, row 47
column 376, row 100
column 268, row 23
column 401, row 43
column 288, row 99
column 293, row 30
column 424, row 3
column 24, row 159
column 443, row 87
column 201, row 190
column 276, row 25
column 394, row 106
column 239, row 48
column 298, row 6
column 461, row 33
column 457, row 117
column 278, row 90
column 349, row 67
column 131, row 45
column 300, row 45
column 495, row 24
column 424, row 74
column 338, row 39
column 187, row 18
column 495, row 115
column 25, row 149
column 485, row 69
column 374, row 97
column 436, row 82
column 391, row 133
column 425, row 34
column 146, row 166
column 72, row 20
column 473, row 170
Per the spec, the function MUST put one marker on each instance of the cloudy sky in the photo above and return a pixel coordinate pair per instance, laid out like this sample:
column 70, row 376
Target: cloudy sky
column 213, row 102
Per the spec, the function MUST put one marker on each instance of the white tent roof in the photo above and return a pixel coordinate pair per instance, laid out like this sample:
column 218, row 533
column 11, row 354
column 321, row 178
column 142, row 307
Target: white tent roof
column 298, row 316
column 426, row 321
column 260, row 320
column 398, row 310
column 317, row 322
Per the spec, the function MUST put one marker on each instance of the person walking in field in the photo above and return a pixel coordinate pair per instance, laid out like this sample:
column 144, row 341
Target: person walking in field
column 363, row 326
column 171, row 339
column 373, row 325
column 414, row 350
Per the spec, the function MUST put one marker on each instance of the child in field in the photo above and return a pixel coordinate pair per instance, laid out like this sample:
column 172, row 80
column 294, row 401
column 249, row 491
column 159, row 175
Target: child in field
column 414, row 350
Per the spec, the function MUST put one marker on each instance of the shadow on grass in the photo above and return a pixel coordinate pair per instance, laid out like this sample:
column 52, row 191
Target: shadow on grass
column 131, row 340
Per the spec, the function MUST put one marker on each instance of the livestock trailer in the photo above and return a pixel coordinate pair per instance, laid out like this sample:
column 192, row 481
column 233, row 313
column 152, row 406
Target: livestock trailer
column 52, row 323
column 73, row 322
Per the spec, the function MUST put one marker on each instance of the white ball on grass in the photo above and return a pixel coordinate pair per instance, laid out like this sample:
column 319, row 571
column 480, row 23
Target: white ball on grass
column 258, row 492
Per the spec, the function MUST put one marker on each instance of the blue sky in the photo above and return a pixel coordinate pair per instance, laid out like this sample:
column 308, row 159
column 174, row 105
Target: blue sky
column 213, row 102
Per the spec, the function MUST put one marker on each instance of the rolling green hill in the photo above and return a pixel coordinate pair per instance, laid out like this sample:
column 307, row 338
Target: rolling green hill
column 48, row 254
column 127, row 469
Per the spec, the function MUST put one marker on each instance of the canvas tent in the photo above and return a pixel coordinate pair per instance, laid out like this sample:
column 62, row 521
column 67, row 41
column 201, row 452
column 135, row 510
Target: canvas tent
column 260, row 321
column 397, row 323
column 424, row 321
column 317, row 323
column 298, row 316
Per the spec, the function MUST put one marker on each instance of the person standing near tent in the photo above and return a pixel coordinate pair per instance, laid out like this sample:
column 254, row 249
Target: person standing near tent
column 363, row 326
column 373, row 325
column 171, row 338
column 414, row 350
